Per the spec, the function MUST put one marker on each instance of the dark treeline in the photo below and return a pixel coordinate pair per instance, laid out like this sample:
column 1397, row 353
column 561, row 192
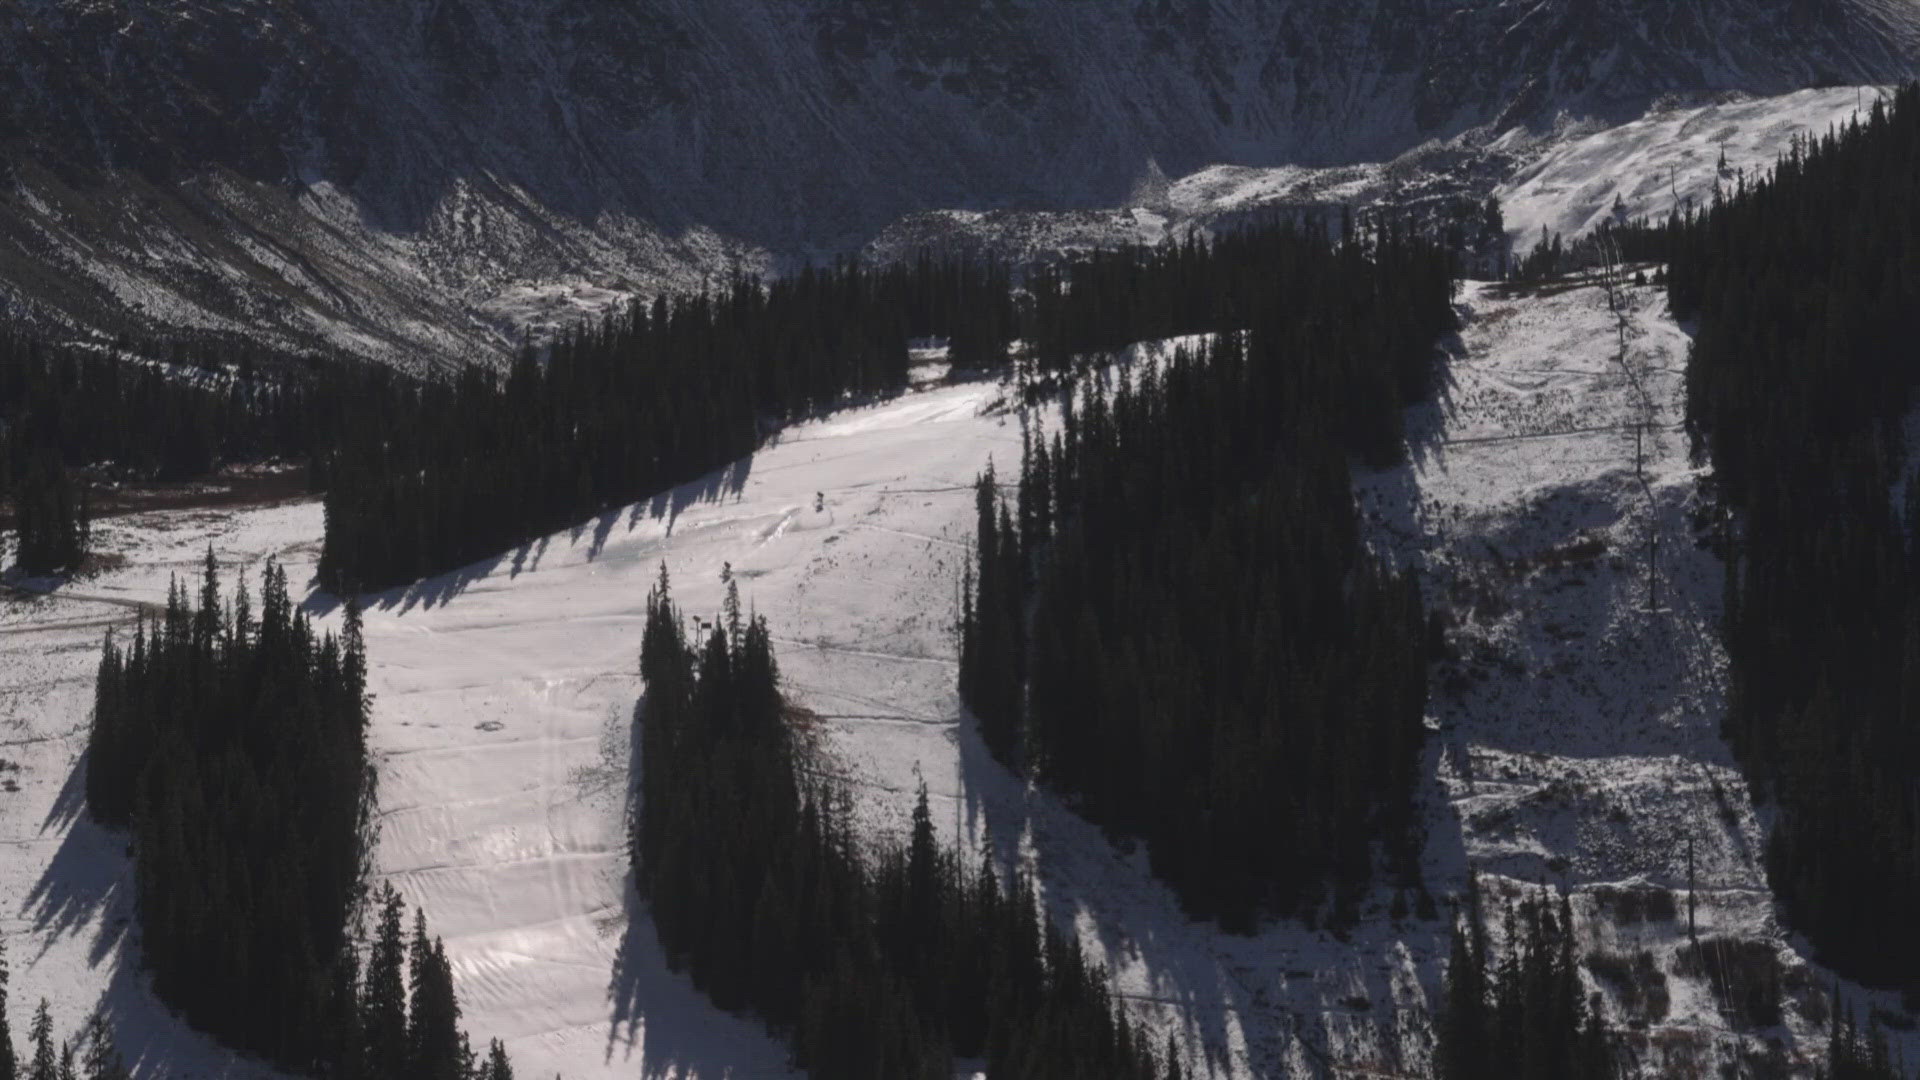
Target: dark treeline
column 872, row 967
column 651, row 396
column 1260, row 274
column 1807, row 301
column 52, row 517
column 1520, row 1012
column 231, row 743
column 435, row 475
column 92, row 408
column 429, row 476
column 67, row 413
column 1213, row 663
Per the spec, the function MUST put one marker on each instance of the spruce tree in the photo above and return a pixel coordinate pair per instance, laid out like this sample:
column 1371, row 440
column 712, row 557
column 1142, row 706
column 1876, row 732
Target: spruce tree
column 497, row 1067
column 383, row 1009
column 102, row 1060
column 46, row 1059
column 433, row 1028
column 9, row 1065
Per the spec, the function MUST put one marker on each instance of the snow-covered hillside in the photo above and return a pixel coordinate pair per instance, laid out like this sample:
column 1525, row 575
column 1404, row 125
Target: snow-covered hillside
column 1576, row 731
column 1576, row 728
column 416, row 182
column 1670, row 158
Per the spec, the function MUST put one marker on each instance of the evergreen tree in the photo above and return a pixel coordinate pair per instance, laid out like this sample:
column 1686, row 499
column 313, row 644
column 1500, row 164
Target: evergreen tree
column 496, row 1067
column 102, row 1059
column 1523, row 1013
column 9, row 1065
column 434, row 1038
column 383, row 1009
column 46, row 1060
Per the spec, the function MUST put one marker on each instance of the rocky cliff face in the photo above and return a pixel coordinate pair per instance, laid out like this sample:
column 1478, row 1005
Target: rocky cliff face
column 415, row 181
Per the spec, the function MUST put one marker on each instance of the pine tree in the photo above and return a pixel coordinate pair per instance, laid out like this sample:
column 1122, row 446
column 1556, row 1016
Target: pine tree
column 46, row 1060
column 383, row 1009
column 497, row 1067
column 102, row 1059
column 9, row 1065
column 434, row 1037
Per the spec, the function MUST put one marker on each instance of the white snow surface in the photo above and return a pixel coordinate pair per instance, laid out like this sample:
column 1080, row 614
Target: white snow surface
column 1566, row 178
column 1665, row 160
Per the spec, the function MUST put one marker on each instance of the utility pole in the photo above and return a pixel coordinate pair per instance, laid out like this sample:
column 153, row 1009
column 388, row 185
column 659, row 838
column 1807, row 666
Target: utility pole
column 1693, row 934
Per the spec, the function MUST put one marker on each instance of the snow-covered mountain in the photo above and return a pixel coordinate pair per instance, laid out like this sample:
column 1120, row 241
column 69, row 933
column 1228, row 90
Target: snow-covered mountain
column 419, row 182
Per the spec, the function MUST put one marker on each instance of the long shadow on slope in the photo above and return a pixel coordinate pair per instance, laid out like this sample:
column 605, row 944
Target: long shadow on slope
column 1216, row 988
column 1028, row 826
column 1425, row 423
column 83, row 878
column 442, row 589
column 717, row 486
column 89, row 883
column 654, row 1010
column 436, row 591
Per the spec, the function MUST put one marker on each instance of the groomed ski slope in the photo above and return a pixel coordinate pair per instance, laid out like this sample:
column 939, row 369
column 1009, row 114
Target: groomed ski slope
column 1576, row 734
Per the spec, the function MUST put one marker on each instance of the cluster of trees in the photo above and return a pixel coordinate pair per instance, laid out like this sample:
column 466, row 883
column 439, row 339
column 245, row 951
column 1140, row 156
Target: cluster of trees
column 1520, row 1012
column 1176, row 623
column 1104, row 301
column 889, row 965
column 1854, row 1054
column 655, row 394
column 52, row 517
column 402, row 1018
column 1807, row 304
column 68, row 411
column 87, row 407
column 232, row 746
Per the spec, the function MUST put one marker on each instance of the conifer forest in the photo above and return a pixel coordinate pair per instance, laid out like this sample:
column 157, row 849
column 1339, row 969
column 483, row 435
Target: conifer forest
column 1175, row 620
column 1799, row 388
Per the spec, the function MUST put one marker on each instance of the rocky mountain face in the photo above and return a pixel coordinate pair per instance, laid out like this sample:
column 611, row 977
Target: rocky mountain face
column 419, row 182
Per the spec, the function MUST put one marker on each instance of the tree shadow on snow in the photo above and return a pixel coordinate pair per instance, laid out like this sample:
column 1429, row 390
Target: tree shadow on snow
column 436, row 591
column 1082, row 875
column 717, row 486
column 1425, row 423
column 85, row 878
column 89, row 884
